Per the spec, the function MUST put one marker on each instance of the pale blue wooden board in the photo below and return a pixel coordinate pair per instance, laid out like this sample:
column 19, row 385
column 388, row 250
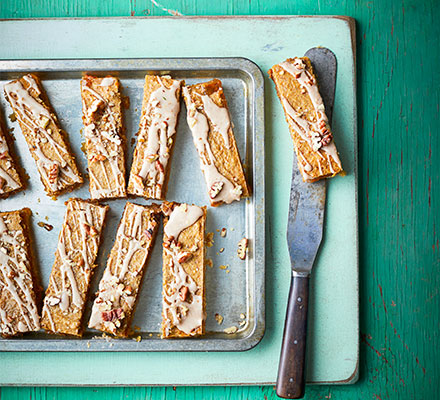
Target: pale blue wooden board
column 334, row 336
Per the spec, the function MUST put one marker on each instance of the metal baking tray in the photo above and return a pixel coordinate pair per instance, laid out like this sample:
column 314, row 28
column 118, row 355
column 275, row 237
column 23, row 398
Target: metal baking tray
column 234, row 294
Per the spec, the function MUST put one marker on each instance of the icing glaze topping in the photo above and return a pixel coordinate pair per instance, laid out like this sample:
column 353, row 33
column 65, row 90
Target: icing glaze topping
column 219, row 117
column 181, row 218
column 198, row 122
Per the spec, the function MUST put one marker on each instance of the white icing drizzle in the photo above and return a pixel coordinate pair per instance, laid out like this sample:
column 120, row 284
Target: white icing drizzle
column 35, row 117
column 17, row 280
column 198, row 123
column 113, row 293
column 107, row 81
column 218, row 116
column 68, row 297
column 103, row 142
column 181, row 218
column 186, row 316
column 310, row 131
column 157, row 127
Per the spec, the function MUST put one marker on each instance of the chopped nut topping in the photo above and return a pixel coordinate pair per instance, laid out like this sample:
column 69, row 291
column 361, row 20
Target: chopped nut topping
column 242, row 248
column 53, row 173
column 2, row 183
column 44, row 121
column 48, row 227
column 183, row 293
column 183, row 256
column 215, row 189
column 218, row 318
column 97, row 157
column 230, row 330
column 152, row 157
column 90, row 230
column 238, row 190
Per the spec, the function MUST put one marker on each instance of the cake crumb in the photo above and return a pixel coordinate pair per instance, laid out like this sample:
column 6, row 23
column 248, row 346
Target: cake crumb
column 88, row 345
column 222, row 250
column 223, row 267
column 230, row 330
column 151, row 335
column 137, row 338
column 210, row 239
column 209, row 263
column 223, row 232
column 218, row 318
column 242, row 316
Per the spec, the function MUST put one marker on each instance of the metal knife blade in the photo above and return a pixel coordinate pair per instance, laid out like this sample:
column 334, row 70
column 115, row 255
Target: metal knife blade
column 307, row 200
column 304, row 235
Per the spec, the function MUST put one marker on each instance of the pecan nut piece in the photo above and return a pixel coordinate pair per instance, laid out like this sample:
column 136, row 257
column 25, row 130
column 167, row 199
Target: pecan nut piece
column 183, row 256
column 216, row 188
column 242, row 248
column 183, row 293
column 90, row 230
column 53, row 173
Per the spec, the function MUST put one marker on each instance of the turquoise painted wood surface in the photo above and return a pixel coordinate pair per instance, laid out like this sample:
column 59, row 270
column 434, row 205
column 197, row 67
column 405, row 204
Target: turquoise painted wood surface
column 334, row 329
column 398, row 193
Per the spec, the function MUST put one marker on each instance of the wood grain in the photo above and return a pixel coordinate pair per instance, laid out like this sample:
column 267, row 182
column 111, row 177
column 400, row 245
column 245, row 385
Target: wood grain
column 398, row 105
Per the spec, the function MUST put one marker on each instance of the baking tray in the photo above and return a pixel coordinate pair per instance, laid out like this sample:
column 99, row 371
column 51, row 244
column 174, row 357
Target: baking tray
column 231, row 294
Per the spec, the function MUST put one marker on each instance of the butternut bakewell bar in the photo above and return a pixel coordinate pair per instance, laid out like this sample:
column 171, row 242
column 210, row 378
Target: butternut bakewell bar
column 151, row 161
column 298, row 92
column 10, row 179
column 46, row 140
column 210, row 124
column 183, row 313
column 19, row 286
column 75, row 257
column 115, row 303
column 103, row 130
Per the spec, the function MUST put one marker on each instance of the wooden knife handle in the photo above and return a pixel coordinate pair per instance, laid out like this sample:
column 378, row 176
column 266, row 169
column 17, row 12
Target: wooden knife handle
column 291, row 371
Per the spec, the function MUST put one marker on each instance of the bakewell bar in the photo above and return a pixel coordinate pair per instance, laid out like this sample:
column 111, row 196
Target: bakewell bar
column 211, row 127
column 10, row 180
column 115, row 303
column 19, row 287
column 151, row 161
column 75, row 257
column 103, row 130
column 183, row 312
column 46, row 141
column 298, row 92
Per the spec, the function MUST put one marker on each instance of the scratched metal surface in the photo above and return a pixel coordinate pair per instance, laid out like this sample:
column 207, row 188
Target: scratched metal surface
column 237, row 290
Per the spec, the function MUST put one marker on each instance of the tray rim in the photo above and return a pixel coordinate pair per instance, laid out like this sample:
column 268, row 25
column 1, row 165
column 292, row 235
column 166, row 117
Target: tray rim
column 258, row 224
